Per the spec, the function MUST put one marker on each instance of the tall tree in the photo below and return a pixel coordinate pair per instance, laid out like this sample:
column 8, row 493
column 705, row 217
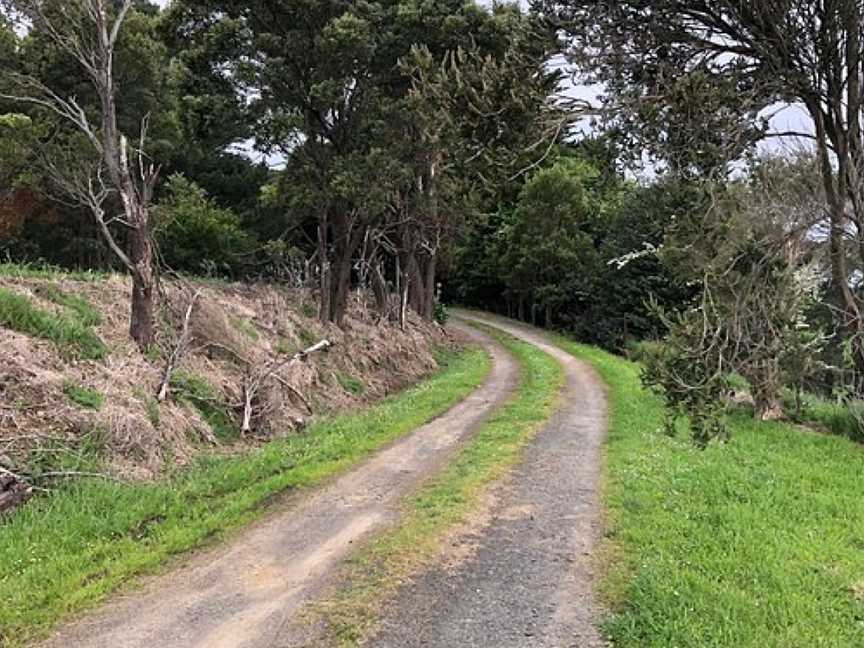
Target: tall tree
column 87, row 32
column 698, row 75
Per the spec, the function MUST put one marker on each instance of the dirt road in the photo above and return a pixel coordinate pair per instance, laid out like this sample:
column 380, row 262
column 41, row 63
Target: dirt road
column 529, row 582
column 246, row 595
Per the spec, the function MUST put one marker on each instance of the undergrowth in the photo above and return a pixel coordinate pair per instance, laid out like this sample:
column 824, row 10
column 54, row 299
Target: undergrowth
column 64, row 552
column 197, row 392
column 750, row 543
column 71, row 335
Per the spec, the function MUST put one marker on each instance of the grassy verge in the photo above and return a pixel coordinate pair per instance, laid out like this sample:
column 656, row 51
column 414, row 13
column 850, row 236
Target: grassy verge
column 758, row 542
column 65, row 552
column 374, row 574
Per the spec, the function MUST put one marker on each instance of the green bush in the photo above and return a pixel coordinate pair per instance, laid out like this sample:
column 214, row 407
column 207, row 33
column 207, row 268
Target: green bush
column 195, row 235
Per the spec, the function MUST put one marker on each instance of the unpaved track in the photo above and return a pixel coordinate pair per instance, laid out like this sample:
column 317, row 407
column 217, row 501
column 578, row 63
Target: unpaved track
column 246, row 595
column 528, row 583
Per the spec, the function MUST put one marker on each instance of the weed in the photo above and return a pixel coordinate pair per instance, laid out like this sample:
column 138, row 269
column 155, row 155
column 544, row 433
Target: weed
column 308, row 310
column 247, row 328
column 71, row 336
column 350, row 384
column 83, row 396
column 307, row 337
column 286, row 348
column 200, row 394
column 154, row 413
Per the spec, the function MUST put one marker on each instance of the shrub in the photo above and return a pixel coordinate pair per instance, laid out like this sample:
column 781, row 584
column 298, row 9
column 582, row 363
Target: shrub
column 195, row 235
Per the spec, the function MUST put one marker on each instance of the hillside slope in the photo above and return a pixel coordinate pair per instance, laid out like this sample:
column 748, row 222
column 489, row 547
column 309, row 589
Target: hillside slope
column 75, row 391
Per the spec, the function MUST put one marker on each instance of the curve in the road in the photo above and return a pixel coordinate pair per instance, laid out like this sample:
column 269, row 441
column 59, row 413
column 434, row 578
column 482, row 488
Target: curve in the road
column 246, row 595
column 529, row 583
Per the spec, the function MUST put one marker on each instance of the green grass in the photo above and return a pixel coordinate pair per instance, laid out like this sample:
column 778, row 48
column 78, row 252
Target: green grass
column 69, row 333
column 247, row 328
column 351, row 384
column 32, row 271
column 83, row 396
column 756, row 542
column 198, row 393
column 375, row 572
column 65, row 552
column 79, row 306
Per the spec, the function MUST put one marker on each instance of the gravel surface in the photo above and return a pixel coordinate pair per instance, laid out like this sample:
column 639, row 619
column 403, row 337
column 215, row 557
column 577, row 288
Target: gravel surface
column 529, row 581
column 247, row 594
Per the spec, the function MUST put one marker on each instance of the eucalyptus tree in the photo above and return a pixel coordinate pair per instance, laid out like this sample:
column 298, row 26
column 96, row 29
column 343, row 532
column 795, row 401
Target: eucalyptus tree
column 696, row 80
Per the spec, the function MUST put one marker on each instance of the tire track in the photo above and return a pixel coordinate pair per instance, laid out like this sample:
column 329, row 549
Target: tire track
column 530, row 581
column 247, row 594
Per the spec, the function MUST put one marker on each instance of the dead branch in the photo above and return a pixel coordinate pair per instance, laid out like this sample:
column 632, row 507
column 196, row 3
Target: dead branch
column 180, row 350
column 254, row 379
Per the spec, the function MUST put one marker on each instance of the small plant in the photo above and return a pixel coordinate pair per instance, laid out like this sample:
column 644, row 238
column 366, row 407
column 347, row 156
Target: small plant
column 307, row 337
column 84, row 397
column 441, row 314
column 308, row 310
column 197, row 392
column 351, row 384
column 70, row 334
column 154, row 414
column 286, row 348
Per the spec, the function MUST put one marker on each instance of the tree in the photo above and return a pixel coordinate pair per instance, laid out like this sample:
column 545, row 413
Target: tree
column 87, row 31
column 754, row 258
column 547, row 257
column 194, row 234
column 694, row 75
column 484, row 117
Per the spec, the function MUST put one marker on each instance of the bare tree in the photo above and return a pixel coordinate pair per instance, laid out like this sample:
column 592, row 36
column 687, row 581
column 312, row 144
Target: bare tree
column 88, row 31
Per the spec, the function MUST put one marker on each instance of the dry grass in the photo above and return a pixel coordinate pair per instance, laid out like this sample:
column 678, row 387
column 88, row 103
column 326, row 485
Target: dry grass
column 141, row 438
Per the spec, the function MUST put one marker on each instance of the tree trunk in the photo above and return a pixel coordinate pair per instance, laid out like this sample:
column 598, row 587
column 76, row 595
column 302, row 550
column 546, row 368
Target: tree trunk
column 379, row 289
column 325, row 279
column 142, row 322
column 341, row 289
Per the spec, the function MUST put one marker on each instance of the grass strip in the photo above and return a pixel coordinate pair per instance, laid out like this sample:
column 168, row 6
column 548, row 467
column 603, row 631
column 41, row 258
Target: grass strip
column 65, row 552
column 374, row 574
column 755, row 542
column 71, row 335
